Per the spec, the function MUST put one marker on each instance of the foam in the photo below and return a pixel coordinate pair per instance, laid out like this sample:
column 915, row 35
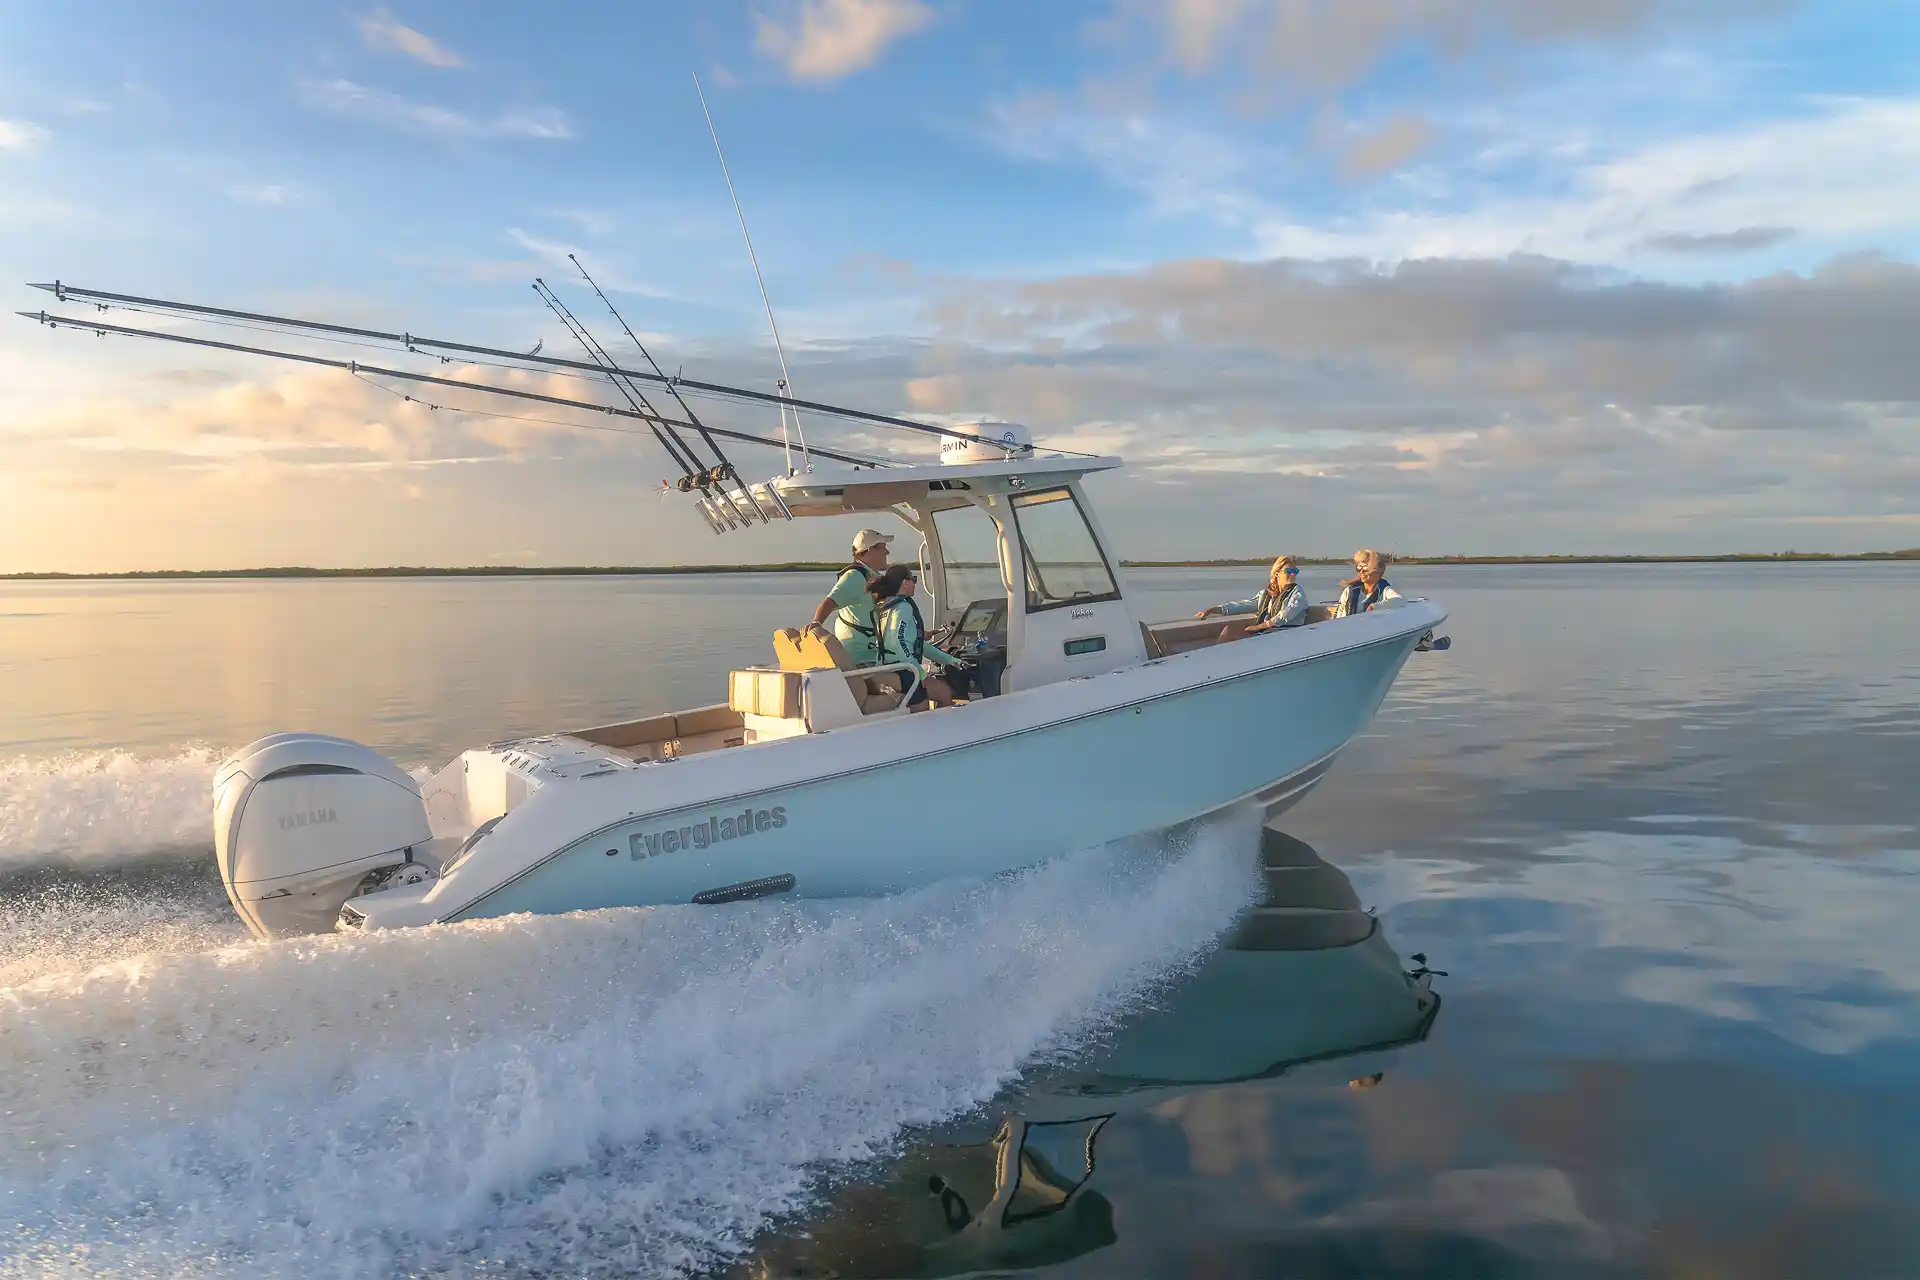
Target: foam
column 104, row 806
column 613, row 1092
column 61, row 920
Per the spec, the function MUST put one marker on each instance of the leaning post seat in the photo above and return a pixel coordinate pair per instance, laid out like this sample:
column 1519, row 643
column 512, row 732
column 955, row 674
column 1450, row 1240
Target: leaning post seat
column 801, row 696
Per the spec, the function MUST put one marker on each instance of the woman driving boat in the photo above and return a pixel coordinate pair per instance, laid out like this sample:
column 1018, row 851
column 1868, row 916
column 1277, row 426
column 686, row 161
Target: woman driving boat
column 1281, row 603
column 901, row 635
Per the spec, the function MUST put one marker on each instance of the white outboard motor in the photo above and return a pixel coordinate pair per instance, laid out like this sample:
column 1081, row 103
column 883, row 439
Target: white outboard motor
column 303, row 821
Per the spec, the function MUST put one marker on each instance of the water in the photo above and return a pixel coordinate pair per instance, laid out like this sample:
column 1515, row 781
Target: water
column 1657, row 824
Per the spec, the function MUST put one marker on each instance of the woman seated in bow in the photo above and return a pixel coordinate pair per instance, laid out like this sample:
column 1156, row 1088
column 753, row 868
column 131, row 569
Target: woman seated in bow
column 1280, row 604
column 1368, row 586
column 901, row 636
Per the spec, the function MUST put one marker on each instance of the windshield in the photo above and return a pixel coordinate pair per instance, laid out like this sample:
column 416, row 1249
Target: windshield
column 970, row 541
column 1064, row 562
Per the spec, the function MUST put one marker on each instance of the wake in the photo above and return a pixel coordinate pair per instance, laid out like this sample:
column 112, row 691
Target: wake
column 609, row 1092
column 94, row 808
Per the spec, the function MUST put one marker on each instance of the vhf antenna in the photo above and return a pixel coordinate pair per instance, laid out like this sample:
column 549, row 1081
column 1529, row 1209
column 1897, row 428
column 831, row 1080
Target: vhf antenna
column 786, row 383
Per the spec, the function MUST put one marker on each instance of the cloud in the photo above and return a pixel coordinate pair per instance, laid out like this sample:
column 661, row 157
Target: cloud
column 1847, row 169
column 1507, row 401
column 21, row 135
column 828, row 39
column 391, row 110
column 1839, row 172
column 1178, row 166
column 1521, row 327
column 265, row 194
column 1388, row 147
column 321, row 419
column 1197, row 27
column 1745, row 240
column 382, row 33
column 1328, row 46
column 1507, row 404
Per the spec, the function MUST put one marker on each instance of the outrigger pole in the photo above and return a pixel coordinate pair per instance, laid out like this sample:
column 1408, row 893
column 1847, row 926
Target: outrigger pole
column 786, row 383
column 415, row 342
column 356, row 367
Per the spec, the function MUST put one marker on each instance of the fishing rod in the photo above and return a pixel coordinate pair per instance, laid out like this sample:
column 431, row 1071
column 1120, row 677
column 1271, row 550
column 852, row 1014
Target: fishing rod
column 693, row 475
column 676, row 449
column 413, row 342
column 356, row 367
column 710, row 480
column 786, row 383
column 672, row 388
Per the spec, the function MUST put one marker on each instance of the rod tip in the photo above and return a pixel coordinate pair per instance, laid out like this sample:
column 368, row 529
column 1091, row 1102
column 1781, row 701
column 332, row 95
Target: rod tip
column 50, row 288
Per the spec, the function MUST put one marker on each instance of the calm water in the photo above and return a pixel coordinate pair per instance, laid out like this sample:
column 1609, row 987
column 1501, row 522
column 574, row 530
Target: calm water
column 1656, row 824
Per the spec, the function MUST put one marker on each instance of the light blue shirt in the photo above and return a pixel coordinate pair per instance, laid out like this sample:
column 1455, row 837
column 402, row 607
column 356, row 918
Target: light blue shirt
column 1288, row 609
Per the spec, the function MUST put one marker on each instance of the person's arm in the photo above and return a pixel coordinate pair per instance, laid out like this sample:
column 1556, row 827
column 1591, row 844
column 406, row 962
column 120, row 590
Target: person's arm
column 1231, row 607
column 938, row 655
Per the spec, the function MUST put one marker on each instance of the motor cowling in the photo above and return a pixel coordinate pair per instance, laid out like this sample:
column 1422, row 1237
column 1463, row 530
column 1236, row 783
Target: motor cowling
column 304, row 821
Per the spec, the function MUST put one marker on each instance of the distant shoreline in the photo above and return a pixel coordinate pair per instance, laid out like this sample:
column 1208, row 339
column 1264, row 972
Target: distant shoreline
column 824, row 566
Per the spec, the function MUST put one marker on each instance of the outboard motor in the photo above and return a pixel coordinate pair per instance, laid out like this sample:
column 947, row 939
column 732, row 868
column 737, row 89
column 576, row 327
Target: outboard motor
column 303, row 821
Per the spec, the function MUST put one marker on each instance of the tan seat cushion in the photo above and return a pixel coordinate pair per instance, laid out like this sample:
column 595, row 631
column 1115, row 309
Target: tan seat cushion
column 821, row 650
column 786, row 649
column 634, row 733
column 750, row 693
column 718, row 719
column 876, row 693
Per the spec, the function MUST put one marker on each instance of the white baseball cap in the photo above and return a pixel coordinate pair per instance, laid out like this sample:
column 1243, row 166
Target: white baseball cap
column 868, row 539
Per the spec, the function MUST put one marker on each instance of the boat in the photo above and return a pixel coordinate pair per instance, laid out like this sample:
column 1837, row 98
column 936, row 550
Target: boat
column 1089, row 723
column 1307, row 977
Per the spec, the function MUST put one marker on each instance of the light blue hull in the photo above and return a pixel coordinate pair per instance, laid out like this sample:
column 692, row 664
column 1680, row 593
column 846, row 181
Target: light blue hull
column 994, row 805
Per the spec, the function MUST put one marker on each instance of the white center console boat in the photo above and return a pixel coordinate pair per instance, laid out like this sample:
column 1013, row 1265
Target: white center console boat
column 1103, row 727
column 1095, row 723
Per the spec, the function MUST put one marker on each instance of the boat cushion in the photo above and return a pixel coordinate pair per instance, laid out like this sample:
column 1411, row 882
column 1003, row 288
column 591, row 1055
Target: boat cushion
column 874, row 693
column 820, row 650
column 714, row 719
column 786, row 649
column 634, row 733
column 755, row 693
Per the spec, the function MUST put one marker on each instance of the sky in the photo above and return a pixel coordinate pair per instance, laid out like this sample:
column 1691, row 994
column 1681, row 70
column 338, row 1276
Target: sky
column 1436, row 276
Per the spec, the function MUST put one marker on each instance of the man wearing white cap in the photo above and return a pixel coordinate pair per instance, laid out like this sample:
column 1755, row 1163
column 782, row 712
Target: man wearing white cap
column 849, row 603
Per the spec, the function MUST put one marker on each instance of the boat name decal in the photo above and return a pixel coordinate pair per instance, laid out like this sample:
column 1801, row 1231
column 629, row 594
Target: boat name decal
column 643, row 844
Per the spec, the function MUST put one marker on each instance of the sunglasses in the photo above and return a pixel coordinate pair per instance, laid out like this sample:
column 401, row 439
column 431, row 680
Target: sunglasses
column 1291, row 571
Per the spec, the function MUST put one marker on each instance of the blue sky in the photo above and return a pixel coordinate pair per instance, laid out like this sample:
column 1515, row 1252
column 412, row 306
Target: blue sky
column 1484, row 275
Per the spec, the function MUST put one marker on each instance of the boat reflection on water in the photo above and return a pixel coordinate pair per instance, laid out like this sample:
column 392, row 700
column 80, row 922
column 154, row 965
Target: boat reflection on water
column 1307, row 976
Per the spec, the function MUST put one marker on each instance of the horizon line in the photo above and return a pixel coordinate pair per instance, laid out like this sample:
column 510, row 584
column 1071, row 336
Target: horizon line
column 825, row 566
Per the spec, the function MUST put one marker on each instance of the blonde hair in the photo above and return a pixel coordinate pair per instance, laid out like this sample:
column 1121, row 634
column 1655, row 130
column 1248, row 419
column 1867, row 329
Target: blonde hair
column 1368, row 558
column 1275, row 578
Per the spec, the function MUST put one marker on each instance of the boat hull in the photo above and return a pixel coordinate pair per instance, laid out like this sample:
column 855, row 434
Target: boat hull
column 990, row 805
